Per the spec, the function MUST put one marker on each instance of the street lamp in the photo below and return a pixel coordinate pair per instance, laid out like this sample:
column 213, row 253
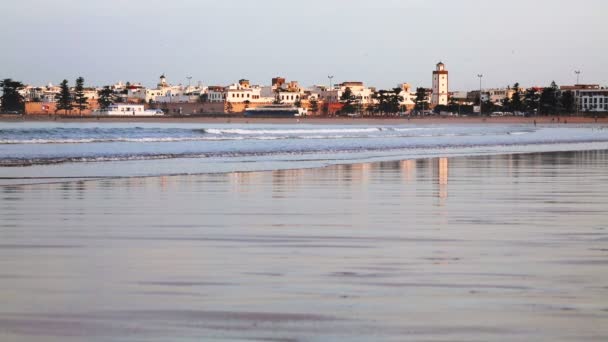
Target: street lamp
column 480, row 102
column 189, row 78
column 576, row 93
column 329, row 92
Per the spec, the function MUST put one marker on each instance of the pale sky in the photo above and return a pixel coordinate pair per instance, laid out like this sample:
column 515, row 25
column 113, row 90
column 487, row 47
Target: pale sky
column 379, row 42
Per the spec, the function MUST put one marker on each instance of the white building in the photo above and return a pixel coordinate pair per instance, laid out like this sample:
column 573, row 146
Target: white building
column 216, row 94
column 593, row 100
column 409, row 97
column 440, row 86
column 122, row 109
column 498, row 95
column 165, row 92
column 361, row 93
column 288, row 96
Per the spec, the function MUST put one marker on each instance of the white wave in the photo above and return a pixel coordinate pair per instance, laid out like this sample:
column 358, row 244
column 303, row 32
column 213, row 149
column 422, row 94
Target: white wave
column 290, row 131
column 111, row 140
column 409, row 129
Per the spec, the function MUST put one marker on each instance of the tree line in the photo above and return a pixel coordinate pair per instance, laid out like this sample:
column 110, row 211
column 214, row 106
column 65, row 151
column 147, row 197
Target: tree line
column 543, row 101
column 13, row 101
column 386, row 102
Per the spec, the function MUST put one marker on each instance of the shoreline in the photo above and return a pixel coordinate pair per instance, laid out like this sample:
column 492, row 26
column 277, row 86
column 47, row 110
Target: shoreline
column 312, row 120
column 72, row 179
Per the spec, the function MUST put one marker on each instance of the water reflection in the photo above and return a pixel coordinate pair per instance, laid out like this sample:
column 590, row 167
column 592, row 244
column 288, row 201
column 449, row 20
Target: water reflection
column 443, row 177
column 408, row 170
column 258, row 255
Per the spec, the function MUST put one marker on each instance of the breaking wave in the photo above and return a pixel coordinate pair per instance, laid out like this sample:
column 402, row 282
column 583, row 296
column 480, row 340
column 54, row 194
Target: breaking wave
column 62, row 135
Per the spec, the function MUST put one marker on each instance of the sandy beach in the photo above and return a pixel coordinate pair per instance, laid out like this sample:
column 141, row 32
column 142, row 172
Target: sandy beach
column 318, row 120
column 483, row 248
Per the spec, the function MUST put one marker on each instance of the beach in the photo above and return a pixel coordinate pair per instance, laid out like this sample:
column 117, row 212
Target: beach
column 475, row 248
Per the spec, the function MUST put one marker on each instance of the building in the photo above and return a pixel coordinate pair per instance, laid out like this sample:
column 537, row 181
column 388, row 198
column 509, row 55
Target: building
column 464, row 97
column 440, row 86
column 588, row 97
column 592, row 100
column 498, row 95
column 361, row 93
column 409, row 98
column 123, row 109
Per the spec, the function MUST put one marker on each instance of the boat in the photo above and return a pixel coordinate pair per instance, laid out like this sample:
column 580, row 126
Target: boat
column 275, row 111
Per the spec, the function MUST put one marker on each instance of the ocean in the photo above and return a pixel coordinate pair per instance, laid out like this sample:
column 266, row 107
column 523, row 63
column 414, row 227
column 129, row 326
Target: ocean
column 199, row 232
column 32, row 150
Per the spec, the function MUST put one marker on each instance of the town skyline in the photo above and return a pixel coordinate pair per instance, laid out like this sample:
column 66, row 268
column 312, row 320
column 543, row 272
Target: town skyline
column 184, row 81
column 381, row 45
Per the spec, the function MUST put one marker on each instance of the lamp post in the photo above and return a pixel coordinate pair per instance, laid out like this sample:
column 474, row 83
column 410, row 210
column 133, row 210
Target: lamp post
column 480, row 101
column 189, row 78
column 576, row 93
column 329, row 93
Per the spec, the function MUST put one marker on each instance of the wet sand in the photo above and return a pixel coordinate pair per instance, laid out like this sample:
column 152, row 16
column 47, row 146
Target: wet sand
column 486, row 248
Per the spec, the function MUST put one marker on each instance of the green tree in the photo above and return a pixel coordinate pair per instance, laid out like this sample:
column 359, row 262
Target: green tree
column 421, row 99
column 347, row 99
column 65, row 98
column 549, row 99
column 394, row 100
column 314, row 105
column 325, row 109
column 531, row 98
column 79, row 98
column 298, row 102
column 11, row 100
column 388, row 101
column 567, row 102
column 516, row 103
column 371, row 108
column 506, row 102
column 489, row 107
column 105, row 97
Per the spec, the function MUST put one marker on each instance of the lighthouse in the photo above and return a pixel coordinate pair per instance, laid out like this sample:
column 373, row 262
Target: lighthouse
column 440, row 86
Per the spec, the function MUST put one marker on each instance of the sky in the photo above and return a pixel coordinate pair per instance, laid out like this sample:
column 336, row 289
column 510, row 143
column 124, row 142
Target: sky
column 380, row 42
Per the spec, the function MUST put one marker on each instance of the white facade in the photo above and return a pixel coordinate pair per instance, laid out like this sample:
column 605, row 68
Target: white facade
column 440, row 86
column 122, row 109
column 216, row 94
column 288, row 97
column 361, row 93
column 593, row 100
column 237, row 93
column 409, row 98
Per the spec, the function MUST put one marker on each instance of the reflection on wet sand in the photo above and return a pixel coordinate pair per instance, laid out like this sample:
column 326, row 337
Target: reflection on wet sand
column 510, row 247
